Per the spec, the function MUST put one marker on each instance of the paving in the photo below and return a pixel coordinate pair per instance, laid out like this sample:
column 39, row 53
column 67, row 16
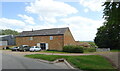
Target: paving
column 17, row 61
column 0, row 60
column 113, row 57
column 28, row 53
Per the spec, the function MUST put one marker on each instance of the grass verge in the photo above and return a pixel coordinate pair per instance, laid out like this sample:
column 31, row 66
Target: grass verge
column 115, row 50
column 52, row 52
column 88, row 62
column 61, row 52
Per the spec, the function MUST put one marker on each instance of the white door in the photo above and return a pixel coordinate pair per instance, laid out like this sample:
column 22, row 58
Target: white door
column 38, row 44
column 46, row 46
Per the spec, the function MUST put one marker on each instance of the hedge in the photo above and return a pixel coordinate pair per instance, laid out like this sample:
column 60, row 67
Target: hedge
column 90, row 49
column 73, row 49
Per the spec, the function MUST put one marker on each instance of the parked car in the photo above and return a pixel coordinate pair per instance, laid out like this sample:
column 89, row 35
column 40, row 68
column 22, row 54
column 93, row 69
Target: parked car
column 15, row 48
column 35, row 48
column 24, row 48
column 5, row 48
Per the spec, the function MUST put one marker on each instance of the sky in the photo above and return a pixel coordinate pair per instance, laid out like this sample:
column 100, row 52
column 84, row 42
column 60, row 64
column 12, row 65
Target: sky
column 83, row 17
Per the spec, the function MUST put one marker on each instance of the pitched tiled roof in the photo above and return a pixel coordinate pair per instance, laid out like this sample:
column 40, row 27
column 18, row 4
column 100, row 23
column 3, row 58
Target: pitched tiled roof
column 53, row 31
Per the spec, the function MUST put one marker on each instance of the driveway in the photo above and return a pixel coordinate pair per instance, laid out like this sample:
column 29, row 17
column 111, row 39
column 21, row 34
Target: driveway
column 18, row 61
column 113, row 57
column 28, row 53
column 0, row 60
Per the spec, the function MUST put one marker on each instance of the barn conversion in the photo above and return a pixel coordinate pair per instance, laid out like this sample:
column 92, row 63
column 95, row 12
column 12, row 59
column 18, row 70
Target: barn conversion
column 47, row 39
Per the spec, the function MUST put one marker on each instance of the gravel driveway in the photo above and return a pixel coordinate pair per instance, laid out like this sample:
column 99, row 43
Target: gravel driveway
column 113, row 57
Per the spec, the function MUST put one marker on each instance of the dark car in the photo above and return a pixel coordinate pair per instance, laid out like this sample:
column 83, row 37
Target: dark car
column 5, row 48
column 24, row 48
column 15, row 48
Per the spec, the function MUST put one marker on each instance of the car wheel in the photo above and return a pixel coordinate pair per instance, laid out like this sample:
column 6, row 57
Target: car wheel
column 24, row 50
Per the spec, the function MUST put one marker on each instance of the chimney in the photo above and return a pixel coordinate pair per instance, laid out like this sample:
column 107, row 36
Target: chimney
column 32, row 30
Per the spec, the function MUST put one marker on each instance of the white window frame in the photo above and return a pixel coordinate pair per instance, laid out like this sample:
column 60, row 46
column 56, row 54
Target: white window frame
column 51, row 37
column 31, row 38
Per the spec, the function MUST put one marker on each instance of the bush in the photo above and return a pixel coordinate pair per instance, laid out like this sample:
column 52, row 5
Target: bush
column 73, row 49
column 90, row 49
column 93, row 44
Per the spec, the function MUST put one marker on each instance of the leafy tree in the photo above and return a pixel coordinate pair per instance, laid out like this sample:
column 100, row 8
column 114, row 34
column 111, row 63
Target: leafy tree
column 108, row 35
column 8, row 32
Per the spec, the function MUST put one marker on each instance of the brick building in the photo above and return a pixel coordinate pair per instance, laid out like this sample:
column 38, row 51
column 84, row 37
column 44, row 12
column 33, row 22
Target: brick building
column 52, row 39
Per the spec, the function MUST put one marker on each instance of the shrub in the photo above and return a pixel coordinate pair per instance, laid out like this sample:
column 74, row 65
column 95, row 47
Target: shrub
column 73, row 49
column 90, row 49
column 93, row 44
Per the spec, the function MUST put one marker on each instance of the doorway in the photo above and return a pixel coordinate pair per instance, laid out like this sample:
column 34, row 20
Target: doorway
column 43, row 46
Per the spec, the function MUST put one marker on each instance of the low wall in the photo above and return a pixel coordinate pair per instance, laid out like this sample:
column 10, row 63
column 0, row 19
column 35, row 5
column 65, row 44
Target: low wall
column 102, row 49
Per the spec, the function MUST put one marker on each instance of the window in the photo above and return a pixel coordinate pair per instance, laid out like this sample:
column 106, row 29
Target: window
column 31, row 38
column 51, row 37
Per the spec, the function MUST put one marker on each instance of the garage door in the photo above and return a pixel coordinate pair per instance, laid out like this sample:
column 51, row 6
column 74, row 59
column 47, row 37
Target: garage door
column 3, row 43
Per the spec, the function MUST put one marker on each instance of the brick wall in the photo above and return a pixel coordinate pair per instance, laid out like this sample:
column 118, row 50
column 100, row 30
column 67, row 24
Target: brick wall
column 55, row 44
column 68, row 38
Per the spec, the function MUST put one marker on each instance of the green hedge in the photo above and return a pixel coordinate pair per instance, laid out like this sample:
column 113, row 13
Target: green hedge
column 90, row 49
column 73, row 49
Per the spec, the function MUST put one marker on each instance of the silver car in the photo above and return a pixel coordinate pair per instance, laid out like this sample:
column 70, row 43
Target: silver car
column 35, row 48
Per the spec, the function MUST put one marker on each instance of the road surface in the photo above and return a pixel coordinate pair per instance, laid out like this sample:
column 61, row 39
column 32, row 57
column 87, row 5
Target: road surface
column 16, row 61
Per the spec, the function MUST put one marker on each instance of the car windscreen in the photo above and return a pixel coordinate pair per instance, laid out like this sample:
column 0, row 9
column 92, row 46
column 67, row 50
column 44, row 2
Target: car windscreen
column 37, row 47
column 32, row 47
column 14, row 47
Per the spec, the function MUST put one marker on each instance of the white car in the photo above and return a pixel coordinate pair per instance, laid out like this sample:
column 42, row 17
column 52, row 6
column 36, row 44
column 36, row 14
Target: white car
column 35, row 48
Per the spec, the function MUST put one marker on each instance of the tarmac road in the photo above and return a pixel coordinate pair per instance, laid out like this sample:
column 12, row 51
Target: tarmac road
column 0, row 60
column 10, row 61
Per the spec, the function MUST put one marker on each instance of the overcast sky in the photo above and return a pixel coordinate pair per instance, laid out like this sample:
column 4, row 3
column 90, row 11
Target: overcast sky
column 83, row 17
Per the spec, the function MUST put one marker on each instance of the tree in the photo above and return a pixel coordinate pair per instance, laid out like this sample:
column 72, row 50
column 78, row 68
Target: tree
column 9, row 32
column 108, row 35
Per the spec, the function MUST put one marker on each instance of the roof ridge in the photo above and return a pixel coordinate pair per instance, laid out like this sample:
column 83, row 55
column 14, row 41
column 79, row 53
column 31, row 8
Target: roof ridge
column 54, row 31
column 47, row 29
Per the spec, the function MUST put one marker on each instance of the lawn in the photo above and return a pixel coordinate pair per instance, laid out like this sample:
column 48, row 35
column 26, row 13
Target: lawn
column 115, row 50
column 52, row 52
column 88, row 62
column 85, row 51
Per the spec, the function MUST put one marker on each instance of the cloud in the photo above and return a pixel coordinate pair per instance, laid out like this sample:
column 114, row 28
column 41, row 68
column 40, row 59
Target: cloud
column 18, row 25
column 82, row 28
column 14, row 24
column 48, row 10
column 86, row 10
column 93, row 5
column 6, row 23
column 27, row 19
